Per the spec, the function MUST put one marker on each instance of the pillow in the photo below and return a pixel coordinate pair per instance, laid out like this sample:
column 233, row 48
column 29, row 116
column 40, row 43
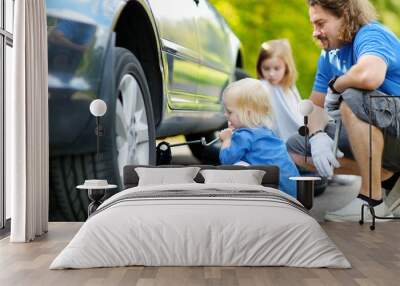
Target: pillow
column 248, row 177
column 164, row 176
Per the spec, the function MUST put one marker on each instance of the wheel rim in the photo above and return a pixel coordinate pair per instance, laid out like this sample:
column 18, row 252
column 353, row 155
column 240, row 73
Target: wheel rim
column 132, row 130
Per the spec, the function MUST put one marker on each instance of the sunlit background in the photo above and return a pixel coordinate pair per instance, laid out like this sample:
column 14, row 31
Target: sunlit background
column 256, row 21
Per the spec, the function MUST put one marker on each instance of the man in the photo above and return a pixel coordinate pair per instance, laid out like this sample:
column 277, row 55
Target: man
column 359, row 57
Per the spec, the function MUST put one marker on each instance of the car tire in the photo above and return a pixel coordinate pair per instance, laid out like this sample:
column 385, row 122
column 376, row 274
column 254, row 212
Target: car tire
column 129, row 138
column 66, row 203
column 140, row 131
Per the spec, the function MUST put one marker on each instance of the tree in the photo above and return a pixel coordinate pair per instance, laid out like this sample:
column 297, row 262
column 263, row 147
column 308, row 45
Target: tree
column 256, row 21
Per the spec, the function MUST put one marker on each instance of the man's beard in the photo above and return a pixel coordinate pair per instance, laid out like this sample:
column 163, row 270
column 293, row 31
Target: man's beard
column 321, row 41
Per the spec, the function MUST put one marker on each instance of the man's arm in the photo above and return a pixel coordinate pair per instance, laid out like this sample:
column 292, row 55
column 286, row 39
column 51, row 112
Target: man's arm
column 318, row 118
column 368, row 73
column 318, row 98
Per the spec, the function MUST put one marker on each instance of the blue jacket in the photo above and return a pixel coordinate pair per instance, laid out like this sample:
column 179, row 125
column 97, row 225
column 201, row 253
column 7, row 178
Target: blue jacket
column 260, row 146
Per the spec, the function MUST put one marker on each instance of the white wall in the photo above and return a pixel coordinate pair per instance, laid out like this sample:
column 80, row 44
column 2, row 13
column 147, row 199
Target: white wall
column 9, row 71
column 8, row 68
column 9, row 13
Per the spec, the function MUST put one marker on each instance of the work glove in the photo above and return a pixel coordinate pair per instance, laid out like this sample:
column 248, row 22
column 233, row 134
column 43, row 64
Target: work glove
column 322, row 154
column 332, row 104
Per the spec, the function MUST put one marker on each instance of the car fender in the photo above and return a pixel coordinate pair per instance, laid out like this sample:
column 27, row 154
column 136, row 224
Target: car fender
column 73, row 86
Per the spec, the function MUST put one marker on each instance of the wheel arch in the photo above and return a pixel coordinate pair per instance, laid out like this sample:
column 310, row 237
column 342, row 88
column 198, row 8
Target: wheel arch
column 135, row 30
column 239, row 59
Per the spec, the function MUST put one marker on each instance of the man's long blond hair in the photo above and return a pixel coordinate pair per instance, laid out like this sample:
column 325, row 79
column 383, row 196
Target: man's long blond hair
column 355, row 13
column 278, row 48
column 251, row 100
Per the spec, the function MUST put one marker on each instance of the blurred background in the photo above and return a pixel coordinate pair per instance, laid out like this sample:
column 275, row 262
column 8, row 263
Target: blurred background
column 256, row 21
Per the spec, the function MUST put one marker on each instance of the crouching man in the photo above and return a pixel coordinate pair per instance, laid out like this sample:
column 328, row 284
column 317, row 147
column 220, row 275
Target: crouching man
column 360, row 57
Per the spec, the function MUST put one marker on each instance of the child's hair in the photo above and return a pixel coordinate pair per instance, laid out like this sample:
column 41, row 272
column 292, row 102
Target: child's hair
column 278, row 48
column 251, row 100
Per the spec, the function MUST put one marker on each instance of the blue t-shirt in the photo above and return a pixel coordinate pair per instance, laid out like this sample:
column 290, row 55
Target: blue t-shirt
column 260, row 146
column 371, row 39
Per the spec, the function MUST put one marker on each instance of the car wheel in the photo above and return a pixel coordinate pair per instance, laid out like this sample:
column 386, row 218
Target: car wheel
column 129, row 139
column 66, row 203
column 134, row 137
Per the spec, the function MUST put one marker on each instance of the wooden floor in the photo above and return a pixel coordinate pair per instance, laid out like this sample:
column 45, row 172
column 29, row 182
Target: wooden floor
column 374, row 255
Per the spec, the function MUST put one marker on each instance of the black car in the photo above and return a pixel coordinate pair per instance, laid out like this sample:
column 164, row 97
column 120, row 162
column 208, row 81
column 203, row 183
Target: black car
column 160, row 66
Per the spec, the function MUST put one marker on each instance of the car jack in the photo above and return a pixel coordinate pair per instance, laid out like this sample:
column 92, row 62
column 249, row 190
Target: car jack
column 163, row 150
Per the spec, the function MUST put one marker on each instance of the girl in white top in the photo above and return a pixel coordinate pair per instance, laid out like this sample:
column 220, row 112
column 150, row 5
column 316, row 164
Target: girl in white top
column 277, row 71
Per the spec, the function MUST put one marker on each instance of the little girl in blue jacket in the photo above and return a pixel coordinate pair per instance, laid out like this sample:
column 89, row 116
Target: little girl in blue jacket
column 249, row 138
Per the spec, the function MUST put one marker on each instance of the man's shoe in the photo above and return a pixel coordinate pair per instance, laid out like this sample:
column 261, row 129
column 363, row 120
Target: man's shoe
column 352, row 212
column 392, row 199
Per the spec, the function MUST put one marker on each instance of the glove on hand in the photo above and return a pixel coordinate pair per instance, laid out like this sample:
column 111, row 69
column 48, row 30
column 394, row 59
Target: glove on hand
column 332, row 104
column 322, row 154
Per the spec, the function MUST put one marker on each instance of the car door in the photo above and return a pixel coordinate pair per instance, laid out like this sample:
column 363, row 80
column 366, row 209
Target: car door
column 180, row 48
column 216, row 58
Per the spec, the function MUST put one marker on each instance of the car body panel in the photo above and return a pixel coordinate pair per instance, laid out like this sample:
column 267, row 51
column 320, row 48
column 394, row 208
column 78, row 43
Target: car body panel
column 216, row 63
column 179, row 49
column 194, row 69
column 78, row 34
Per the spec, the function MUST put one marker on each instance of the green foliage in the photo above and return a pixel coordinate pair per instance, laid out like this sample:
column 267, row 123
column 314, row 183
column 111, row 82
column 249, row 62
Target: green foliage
column 256, row 21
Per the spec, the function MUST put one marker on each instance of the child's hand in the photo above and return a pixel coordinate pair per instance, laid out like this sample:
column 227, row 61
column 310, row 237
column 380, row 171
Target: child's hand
column 226, row 134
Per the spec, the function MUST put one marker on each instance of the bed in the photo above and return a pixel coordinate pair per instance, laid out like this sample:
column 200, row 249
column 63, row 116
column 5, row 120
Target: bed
column 201, row 224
